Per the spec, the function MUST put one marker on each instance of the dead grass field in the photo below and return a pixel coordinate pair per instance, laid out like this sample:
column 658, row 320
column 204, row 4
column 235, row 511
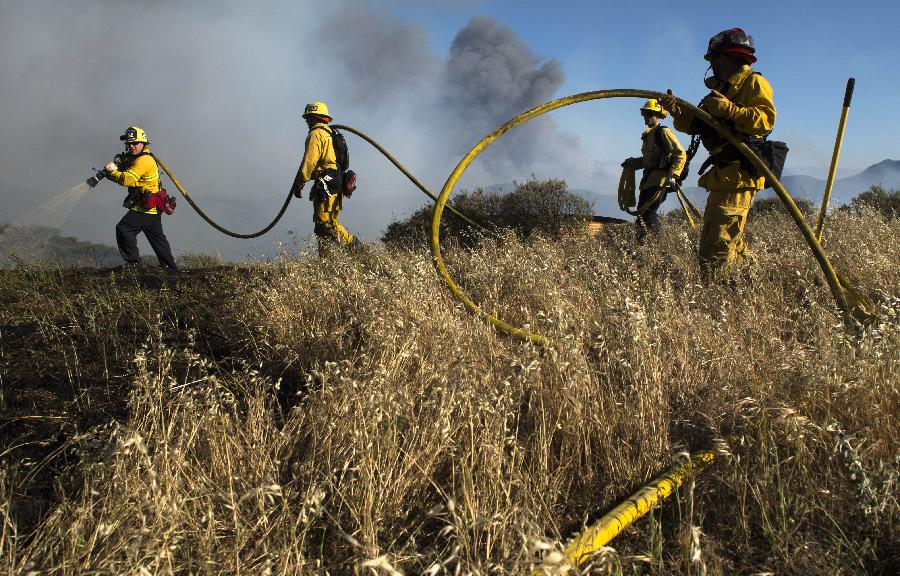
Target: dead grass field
column 350, row 417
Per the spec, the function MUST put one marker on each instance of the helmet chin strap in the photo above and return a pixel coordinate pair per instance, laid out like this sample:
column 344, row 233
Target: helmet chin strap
column 705, row 74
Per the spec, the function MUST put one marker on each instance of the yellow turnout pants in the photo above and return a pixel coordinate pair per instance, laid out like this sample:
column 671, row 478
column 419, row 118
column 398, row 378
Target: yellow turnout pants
column 328, row 228
column 722, row 240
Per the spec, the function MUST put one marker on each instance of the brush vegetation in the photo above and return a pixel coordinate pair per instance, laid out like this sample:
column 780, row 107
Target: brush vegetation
column 348, row 416
column 534, row 206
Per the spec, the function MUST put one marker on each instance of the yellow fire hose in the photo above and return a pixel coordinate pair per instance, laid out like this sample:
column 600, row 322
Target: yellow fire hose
column 689, row 210
column 848, row 95
column 640, row 210
column 209, row 220
column 287, row 201
column 838, row 291
column 580, row 549
column 409, row 175
column 660, row 488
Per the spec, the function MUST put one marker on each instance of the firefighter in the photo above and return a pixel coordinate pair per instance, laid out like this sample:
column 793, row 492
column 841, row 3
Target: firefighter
column 662, row 160
column 741, row 99
column 320, row 164
column 137, row 170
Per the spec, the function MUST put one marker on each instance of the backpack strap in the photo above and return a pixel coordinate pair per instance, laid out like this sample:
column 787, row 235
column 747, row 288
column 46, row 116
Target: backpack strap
column 662, row 142
column 664, row 145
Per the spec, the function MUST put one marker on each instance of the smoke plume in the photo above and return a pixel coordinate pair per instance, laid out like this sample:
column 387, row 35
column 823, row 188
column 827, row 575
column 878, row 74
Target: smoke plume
column 219, row 86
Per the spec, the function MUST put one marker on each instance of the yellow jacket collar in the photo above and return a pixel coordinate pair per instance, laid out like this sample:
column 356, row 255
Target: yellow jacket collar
column 144, row 150
column 736, row 80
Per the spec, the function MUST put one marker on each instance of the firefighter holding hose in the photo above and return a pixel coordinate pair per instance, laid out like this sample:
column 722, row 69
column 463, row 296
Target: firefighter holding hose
column 137, row 170
column 662, row 159
column 741, row 99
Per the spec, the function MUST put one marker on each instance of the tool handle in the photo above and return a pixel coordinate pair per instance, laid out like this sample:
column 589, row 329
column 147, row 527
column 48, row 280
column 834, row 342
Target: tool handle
column 848, row 95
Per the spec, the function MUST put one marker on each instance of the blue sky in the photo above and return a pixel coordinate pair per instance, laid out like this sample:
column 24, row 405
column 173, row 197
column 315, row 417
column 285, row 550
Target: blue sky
column 807, row 49
column 220, row 85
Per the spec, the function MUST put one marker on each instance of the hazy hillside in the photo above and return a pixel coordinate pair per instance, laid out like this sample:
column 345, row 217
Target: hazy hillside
column 33, row 244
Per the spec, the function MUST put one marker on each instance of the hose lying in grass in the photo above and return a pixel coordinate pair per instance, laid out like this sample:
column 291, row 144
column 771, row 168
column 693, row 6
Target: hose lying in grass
column 613, row 522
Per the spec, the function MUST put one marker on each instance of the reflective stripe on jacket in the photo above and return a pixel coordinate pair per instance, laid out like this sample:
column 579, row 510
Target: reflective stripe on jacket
column 319, row 155
column 142, row 174
column 755, row 118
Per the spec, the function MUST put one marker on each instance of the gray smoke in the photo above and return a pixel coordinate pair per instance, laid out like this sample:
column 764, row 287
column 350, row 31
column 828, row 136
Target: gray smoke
column 491, row 77
column 219, row 86
column 431, row 110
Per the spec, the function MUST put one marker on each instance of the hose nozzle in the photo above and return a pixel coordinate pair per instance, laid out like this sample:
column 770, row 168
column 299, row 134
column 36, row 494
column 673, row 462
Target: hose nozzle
column 102, row 173
column 96, row 178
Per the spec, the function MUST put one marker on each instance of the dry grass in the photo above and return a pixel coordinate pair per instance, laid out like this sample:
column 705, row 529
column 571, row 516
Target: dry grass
column 350, row 417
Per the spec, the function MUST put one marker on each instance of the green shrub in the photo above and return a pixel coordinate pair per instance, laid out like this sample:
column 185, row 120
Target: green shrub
column 884, row 202
column 544, row 206
column 776, row 206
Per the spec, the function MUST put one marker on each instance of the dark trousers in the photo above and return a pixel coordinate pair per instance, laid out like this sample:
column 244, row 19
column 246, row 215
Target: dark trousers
column 650, row 217
column 134, row 223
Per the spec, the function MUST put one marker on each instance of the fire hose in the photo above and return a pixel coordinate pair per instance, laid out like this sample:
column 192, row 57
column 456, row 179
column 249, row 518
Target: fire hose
column 851, row 304
column 287, row 200
column 209, row 220
column 848, row 300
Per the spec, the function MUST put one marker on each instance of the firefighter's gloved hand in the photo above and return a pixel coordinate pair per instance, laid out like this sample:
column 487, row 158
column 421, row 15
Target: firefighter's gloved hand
column 297, row 191
column 670, row 182
column 110, row 167
column 669, row 104
column 719, row 106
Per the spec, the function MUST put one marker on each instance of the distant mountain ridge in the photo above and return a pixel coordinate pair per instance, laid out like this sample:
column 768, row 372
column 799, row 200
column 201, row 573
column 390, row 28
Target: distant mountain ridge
column 885, row 173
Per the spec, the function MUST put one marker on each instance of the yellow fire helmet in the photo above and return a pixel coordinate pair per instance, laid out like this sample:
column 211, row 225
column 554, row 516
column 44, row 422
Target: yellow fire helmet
column 317, row 109
column 653, row 106
column 134, row 134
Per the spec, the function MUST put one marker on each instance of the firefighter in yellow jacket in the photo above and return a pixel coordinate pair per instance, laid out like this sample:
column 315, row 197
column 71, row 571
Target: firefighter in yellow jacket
column 741, row 99
column 137, row 170
column 662, row 160
column 320, row 164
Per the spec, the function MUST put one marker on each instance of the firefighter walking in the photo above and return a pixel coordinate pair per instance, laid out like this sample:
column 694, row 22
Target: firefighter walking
column 137, row 170
column 662, row 160
column 320, row 164
column 741, row 99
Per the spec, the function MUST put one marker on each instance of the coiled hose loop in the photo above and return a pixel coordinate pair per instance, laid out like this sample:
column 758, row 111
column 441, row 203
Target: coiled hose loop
column 838, row 292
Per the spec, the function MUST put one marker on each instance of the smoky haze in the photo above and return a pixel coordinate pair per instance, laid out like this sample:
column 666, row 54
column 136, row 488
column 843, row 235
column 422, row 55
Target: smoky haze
column 492, row 76
column 219, row 87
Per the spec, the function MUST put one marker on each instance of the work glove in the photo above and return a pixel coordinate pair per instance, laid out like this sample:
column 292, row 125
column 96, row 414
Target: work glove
column 719, row 106
column 297, row 190
column 633, row 163
column 670, row 104
column 670, row 182
column 110, row 167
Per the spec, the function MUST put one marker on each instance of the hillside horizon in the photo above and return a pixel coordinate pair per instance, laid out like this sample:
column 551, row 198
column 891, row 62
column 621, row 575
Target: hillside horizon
column 36, row 242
